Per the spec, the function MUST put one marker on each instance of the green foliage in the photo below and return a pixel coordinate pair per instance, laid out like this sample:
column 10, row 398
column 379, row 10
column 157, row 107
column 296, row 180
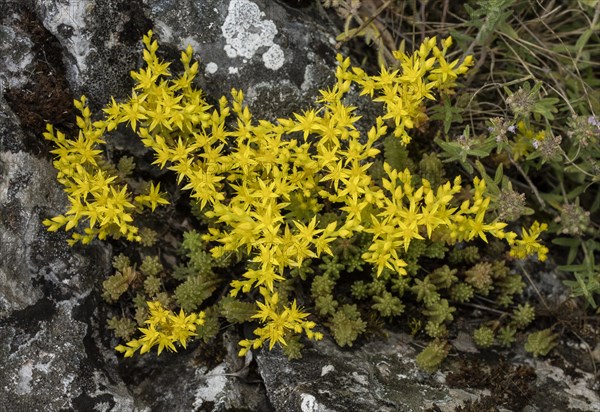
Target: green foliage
column 118, row 283
column 483, row 337
column 443, row 277
column 322, row 285
column 538, row 151
column 462, row 292
column 325, row 305
column 436, row 250
column 388, row 305
column 439, row 312
column 330, row 267
column 194, row 291
column 123, row 327
column 488, row 17
column 236, row 311
column 148, row 237
column 396, row 154
column 293, row 348
column 468, row 254
column 346, row 325
column 541, row 343
column 506, row 336
column 425, row 291
column 211, row 326
column 120, row 262
column 152, row 285
column 360, row 290
column 433, row 355
column 151, row 266
column 436, row 330
column 126, row 166
column 523, row 315
column 480, row 277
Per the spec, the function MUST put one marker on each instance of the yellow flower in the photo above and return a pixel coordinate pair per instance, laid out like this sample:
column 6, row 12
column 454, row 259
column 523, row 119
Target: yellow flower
column 528, row 245
column 165, row 328
column 133, row 111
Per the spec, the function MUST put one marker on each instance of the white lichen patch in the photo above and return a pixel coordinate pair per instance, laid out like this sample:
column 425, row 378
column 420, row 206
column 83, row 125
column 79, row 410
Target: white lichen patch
column 246, row 31
column 309, row 403
column 214, row 384
column 326, row 369
column 164, row 31
column 273, row 58
column 189, row 41
column 25, row 375
column 361, row 379
column 309, row 77
column 211, row 68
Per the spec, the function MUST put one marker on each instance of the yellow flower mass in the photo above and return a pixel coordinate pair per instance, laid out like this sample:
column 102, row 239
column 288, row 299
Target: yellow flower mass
column 244, row 173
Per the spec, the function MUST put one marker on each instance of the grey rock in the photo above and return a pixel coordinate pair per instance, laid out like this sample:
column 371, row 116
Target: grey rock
column 17, row 57
column 382, row 375
column 191, row 380
column 277, row 56
column 378, row 377
column 46, row 293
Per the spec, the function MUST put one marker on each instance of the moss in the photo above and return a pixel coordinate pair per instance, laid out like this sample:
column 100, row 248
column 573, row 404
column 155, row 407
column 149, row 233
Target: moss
column 123, row 327
column 195, row 290
column 480, row 277
column 236, row 311
column 506, row 336
column 425, row 291
column 118, row 284
column 443, row 277
column 439, row 311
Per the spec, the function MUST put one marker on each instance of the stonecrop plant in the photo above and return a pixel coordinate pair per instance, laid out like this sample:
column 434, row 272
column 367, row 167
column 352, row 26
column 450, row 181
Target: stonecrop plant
column 268, row 190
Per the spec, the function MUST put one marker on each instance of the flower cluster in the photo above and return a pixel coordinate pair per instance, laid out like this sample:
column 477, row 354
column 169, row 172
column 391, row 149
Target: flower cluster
column 403, row 91
column 165, row 328
column 245, row 174
column 278, row 323
column 529, row 244
column 95, row 193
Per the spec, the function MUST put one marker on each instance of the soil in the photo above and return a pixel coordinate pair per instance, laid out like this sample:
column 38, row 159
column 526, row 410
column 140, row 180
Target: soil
column 509, row 385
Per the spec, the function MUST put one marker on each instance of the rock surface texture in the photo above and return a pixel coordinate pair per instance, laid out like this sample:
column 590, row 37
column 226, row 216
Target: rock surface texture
column 55, row 351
